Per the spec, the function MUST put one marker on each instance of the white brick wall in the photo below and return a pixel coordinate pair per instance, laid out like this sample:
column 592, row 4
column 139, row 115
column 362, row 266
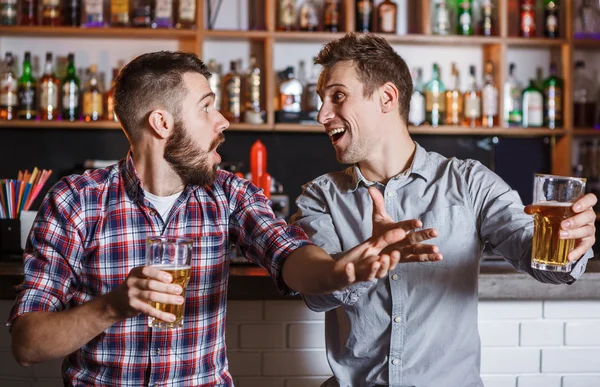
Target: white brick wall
column 281, row 344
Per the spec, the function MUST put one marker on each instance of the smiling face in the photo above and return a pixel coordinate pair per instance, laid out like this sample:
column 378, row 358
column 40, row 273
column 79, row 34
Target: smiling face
column 197, row 132
column 350, row 119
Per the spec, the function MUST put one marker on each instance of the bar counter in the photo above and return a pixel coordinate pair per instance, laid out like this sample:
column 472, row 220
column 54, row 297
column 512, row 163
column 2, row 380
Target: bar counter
column 497, row 281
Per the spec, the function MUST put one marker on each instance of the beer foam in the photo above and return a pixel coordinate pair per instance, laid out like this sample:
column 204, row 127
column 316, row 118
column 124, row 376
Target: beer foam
column 553, row 204
column 168, row 266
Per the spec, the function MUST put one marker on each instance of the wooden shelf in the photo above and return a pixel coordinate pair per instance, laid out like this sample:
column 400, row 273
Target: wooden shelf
column 244, row 127
column 308, row 128
column 495, row 131
column 77, row 125
column 586, row 132
column 236, row 34
column 100, row 32
column 450, row 40
column 300, row 36
column 535, row 42
column 586, row 43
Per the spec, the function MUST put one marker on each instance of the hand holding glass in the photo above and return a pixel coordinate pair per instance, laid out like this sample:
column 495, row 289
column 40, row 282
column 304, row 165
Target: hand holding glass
column 553, row 197
column 174, row 256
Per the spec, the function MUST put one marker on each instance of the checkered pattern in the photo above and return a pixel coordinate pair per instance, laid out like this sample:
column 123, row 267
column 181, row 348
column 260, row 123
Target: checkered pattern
column 90, row 233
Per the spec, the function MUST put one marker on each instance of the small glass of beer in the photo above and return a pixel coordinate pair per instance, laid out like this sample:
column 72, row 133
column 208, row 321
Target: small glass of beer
column 553, row 197
column 174, row 256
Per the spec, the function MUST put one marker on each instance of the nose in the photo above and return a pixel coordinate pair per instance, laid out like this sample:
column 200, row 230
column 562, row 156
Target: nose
column 222, row 122
column 325, row 113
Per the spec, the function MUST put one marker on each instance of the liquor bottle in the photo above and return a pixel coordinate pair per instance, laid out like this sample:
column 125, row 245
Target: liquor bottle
column 553, row 97
column 253, row 110
column 309, row 16
column 441, row 18
column 313, row 102
column 51, row 13
column 141, row 15
column 215, row 81
column 533, row 106
column 26, row 91
column 513, row 115
column 364, row 15
column 487, row 25
column 119, row 13
column 163, row 14
column 584, row 97
column 8, row 12
column 331, row 15
column 71, row 110
column 290, row 92
column 527, row 18
column 287, row 15
column 49, row 91
column 489, row 97
column 387, row 17
column 464, row 18
column 587, row 21
column 551, row 17
column 435, row 104
column 454, row 99
column 29, row 13
column 416, row 115
column 93, row 101
column 111, row 115
column 93, row 13
column 72, row 13
column 8, row 90
column 472, row 101
column 232, row 89
column 186, row 14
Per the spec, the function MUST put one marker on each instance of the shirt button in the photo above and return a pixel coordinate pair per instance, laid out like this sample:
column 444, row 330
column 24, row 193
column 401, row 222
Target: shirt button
column 395, row 277
column 395, row 362
column 157, row 352
column 391, row 194
column 397, row 319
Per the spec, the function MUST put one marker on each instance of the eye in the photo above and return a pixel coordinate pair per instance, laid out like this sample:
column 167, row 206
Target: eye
column 338, row 97
column 206, row 108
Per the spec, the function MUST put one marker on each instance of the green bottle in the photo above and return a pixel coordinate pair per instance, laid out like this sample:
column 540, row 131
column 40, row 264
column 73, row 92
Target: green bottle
column 27, row 91
column 533, row 106
column 71, row 110
column 553, row 96
column 464, row 13
column 435, row 103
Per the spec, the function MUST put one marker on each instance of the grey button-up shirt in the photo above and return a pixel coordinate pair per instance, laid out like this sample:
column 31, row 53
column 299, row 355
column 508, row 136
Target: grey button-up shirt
column 418, row 326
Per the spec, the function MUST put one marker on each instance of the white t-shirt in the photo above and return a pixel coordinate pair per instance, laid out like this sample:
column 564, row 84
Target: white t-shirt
column 163, row 204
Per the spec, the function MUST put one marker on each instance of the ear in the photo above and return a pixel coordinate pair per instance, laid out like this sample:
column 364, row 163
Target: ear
column 161, row 122
column 388, row 97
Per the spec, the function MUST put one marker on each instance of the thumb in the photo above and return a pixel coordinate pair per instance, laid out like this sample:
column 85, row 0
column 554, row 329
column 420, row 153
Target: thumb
column 350, row 273
column 528, row 209
column 379, row 210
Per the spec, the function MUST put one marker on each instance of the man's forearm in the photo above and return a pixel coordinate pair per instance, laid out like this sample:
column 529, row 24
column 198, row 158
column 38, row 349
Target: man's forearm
column 310, row 270
column 42, row 336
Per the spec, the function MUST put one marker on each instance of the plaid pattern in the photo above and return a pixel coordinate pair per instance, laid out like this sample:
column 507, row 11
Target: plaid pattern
column 90, row 233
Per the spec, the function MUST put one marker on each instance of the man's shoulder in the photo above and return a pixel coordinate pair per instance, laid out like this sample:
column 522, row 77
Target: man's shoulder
column 337, row 181
column 450, row 164
column 89, row 181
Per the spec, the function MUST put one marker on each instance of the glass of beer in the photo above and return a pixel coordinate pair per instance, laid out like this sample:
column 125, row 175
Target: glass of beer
column 174, row 256
column 553, row 197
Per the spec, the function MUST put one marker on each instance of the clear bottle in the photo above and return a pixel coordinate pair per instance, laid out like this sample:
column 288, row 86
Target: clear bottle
column 253, row 112
column 440, row 22
column 111, row 115
column 71, row 110
column 232, row 90
column 119, row 13
column 8, row 90
column 416, row 115
column 387, row 17
column 287, row 15
column 290, row 92
column 51, row 13
column 553, row 97
column 551, row 19
column 27, row 91
column 186, row 14
column 454, row 99
column 435, row 103
column 94, row 14
column 513, row 116
column 364, row 15
column 489, row 97
column 331, row 15
column 533, row 106
column 163, row 14
column 309, row 16
column 313, row 102
column 215, row 81
column 472, row 101
column 93, row 101
column 584, row 97
column 49, row 91
column 8, row 12
column 464, row 17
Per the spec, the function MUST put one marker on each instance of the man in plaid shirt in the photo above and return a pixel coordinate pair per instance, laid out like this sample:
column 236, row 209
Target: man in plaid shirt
column 86, row 289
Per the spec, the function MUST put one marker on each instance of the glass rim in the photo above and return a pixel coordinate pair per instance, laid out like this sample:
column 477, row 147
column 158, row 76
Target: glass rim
column 559, row 177
column 168, row 239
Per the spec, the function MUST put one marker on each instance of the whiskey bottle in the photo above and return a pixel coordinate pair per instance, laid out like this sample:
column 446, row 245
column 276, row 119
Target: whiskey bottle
column 489, row 97
column 8, row 90
column 28, row 13
column 49, row 91
column 111, row 115
column 93, row 104
column 364, row 15
column 553, row 97
column 253, row 111
column 93, row 13
column 119, row 13
column 533, row 106
column 71, row 110
column 472, row 101
column 215, row 81
column 232, row 89
column 287, row 15
column 487, row 24
column 51, row 13
column 435, row 103
column 527, row 28
column 186, row 14
column 8, row 12
column 387, row 17
column 309, row 16
column 331, row 15
column 163, row 14
column 454, row 99
column 551, row 19
column 142, row 13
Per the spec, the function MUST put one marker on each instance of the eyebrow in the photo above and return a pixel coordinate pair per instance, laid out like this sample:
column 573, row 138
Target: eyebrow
column 320, row 90
column 207, row 95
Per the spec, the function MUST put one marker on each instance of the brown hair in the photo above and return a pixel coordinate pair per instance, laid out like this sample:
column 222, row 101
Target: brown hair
column 376, row 63
column 151, row 81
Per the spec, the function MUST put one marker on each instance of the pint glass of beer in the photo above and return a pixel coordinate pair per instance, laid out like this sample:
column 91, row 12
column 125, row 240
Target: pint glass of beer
column 553, row 197
column 174, row 256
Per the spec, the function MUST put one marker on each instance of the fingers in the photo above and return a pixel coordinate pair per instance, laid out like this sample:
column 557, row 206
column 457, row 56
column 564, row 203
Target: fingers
column 394, row 259
column 528, row 209
column 579, row 220
column 384, row 266
column 384, row 240
column 585, row 203
column 421, row 235
column 379, row 211
column 584, row 245
column 578, row 233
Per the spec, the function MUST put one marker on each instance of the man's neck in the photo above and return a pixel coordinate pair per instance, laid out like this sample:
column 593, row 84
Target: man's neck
column 156, row 174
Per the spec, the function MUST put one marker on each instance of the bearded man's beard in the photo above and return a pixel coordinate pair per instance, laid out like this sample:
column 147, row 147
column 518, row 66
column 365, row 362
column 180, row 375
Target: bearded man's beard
column 189, row 161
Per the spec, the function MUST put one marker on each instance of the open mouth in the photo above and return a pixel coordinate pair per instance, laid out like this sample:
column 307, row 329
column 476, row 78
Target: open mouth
column 336, row 134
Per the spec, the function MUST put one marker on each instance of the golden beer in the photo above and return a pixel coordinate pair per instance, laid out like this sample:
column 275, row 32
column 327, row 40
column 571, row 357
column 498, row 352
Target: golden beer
column 181, row 276
column 549, row 252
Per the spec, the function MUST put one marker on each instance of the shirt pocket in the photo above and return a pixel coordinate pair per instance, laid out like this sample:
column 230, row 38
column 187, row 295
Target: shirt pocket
column 453, row 227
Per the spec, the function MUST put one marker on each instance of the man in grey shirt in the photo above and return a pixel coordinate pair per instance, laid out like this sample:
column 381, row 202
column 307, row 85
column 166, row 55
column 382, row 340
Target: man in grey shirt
column 416, row 326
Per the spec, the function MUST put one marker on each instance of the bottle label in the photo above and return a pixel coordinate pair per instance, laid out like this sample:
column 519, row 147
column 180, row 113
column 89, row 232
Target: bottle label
column 364, row 8
column 554, row 102
column 70, row 97
column 9, row 12
column 187, row 10
column 119, row 7
column 92, row 104
column 254, row 89
column 291, row 102
column 49, row 96
column 233, row 89
column 416, row 115
column 26, row 96
column 308, row 18
column 331, row 14
column 313, row 101
column 435, row 101
column 163, row 9
column 50, row 3
column 387, row 18
column 490, row 101
column 287, row 13
column 535, row 116
column 93, row 7
column 465, row 19
column 527, row 22
column 472, row 106
column 442, row 21
column 551, row 23
column 8, row 92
